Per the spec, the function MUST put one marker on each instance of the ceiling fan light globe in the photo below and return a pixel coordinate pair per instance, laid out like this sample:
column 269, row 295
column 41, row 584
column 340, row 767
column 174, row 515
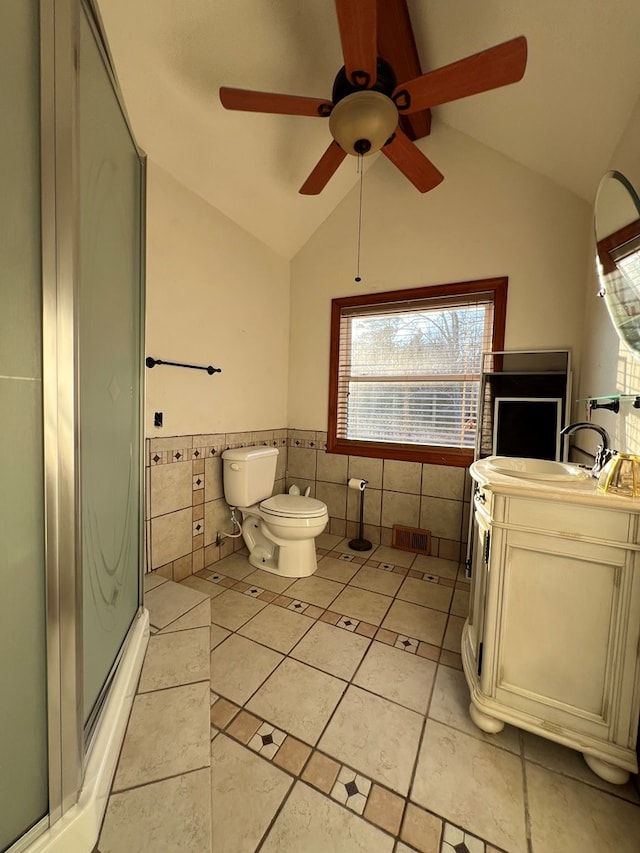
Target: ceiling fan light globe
column 363, row 116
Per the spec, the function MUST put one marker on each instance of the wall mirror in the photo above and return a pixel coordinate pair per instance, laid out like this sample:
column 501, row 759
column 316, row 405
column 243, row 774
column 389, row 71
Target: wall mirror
column 617, row 227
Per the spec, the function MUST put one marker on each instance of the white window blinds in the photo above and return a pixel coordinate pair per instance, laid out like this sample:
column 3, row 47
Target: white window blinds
column 409, row 372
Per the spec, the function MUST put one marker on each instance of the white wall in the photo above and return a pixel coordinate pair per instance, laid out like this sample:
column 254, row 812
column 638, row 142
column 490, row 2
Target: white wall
column 215, row 295
column 608, row 367
column 490, row 217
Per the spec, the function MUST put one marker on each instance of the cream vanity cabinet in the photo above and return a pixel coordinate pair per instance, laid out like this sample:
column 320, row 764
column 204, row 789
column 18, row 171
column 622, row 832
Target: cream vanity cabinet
column 552, row 640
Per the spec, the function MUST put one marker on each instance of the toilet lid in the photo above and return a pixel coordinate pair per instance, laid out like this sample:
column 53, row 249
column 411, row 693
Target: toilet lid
column 293, row 506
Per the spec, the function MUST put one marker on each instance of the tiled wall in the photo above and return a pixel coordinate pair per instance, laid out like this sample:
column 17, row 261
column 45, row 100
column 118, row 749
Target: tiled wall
column 434, row 497
column 186, row 510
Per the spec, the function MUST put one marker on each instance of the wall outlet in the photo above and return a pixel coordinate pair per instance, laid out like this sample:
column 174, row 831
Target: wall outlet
column 157, row 419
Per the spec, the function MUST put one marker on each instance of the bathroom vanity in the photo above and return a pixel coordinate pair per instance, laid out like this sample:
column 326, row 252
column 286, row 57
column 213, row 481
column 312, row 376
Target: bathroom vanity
column 552, row 640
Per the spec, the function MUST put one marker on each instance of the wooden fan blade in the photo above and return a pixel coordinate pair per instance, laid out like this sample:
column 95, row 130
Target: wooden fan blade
column 357, row 25
column 397, row 44
column 324, row 170
column 497, row 66
column 412, row 162
column 271, row 102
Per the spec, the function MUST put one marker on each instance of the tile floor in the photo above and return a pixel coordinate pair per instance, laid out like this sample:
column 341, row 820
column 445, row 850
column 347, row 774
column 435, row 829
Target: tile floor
column 331, row 715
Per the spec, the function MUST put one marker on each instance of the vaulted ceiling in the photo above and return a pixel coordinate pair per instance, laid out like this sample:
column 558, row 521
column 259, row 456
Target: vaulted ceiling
column 171, row 56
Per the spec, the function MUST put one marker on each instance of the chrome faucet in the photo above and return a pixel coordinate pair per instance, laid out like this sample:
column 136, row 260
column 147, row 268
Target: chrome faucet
column 603, row 453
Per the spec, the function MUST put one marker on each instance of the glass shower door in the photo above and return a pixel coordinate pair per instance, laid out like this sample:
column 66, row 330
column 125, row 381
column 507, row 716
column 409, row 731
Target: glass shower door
column 110, row 358
column 23, row 702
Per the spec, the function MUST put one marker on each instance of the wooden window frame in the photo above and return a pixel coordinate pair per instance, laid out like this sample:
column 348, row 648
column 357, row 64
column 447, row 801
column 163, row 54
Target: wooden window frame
column 607, row 246
column 438, row 455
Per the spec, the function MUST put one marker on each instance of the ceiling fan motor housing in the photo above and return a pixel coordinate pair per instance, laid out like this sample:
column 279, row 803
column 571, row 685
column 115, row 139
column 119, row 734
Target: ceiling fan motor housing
column 385, row 82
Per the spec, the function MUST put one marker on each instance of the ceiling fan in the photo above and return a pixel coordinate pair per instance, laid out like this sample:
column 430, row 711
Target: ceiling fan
column 380, row 98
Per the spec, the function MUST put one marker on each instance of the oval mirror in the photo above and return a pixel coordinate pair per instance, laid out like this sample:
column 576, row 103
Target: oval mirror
column 617, row 226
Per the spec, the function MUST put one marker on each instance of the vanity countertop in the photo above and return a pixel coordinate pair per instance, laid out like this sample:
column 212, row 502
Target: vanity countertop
column 577, row 491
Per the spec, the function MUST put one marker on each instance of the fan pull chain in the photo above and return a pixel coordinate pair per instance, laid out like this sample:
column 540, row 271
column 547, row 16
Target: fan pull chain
column 361, row 170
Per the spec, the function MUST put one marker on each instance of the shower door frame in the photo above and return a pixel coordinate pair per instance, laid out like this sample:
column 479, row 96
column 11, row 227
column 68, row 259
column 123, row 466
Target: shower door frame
column 59, row 51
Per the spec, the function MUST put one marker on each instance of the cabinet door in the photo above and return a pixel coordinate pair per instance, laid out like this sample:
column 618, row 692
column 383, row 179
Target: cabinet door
column 557, row 637
column 479, row 555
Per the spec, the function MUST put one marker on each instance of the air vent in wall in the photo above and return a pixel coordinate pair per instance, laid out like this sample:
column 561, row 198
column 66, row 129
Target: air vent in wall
column 411, row 539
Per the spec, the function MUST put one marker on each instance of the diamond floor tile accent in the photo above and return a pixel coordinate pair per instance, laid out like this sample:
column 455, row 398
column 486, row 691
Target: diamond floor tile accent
column 267, row 740
column 456, row 840
column 351, row 789
column 406, row 644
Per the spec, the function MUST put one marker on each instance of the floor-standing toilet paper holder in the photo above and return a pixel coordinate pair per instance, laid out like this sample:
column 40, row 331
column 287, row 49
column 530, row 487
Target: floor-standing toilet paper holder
column 360, row 544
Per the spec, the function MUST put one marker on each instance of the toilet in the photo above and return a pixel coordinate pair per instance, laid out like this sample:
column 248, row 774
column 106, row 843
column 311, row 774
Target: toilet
column 278, row 530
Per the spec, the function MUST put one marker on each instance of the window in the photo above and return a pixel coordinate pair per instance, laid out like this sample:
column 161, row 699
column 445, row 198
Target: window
column 405, row 370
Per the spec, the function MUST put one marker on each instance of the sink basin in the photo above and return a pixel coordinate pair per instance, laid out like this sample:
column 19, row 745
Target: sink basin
column 536, row 469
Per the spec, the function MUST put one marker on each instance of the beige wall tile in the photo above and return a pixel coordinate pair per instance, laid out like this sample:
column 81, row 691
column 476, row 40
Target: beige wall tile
column 281, row 463
column 402, row 476
column 362, row 468
column 335, row 497
column 147, row 493
column 464, row 532
column 302, row 485
column 211, row 554
column 301, row 462
column 373, row 533
column 331, row 467
column 351, row 530
column 165, row 571
column 442, row 517
column 169, row 442
column 337, row 526
column 208, row 440
column 372, row 505
column 171, row 537
column 400, row 508
column 213, row 478
column 217, row 519
column 183, row 567
column 443, row 481
column 450, row 550
column 171, row 488
column 197, row 512
column 468, row 484
column 197, row 560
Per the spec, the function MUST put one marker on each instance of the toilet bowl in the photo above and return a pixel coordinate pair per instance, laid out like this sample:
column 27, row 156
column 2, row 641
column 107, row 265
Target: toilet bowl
column 278, row 530
column 280, row 534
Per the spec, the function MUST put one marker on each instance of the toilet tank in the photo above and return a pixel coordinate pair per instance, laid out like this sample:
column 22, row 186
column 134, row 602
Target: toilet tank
column 248, row 474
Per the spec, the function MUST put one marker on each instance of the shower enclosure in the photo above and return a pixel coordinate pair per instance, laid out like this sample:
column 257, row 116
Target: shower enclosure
column 72, row 629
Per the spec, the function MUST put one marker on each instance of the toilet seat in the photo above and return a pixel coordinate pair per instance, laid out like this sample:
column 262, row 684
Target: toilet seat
column 293, row 506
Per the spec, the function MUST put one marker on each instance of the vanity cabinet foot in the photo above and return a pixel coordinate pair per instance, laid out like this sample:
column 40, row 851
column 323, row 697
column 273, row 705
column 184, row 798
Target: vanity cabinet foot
column 608, row 772
column 484, row 722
